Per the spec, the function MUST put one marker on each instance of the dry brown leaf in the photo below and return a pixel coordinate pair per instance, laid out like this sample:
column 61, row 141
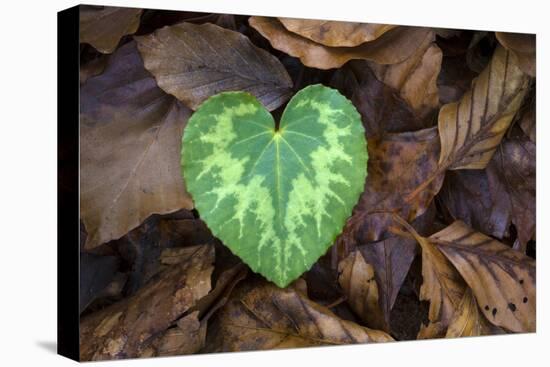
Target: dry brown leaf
column 442, row 286
column 127, row 328
column 261, row 316
column 392, row 47
column 472, row 128
column 360, row 288
column 469, row 321
column 504, row 193
column 415, row 78
column 130, row 149
column 391, row 259
column 187, row 337
column 194, row 62
column 528, row 120
column 503, row 280
column 103, row 27
column 335, row 33
column 381, row 107
column 398, row 163
column 524, row 46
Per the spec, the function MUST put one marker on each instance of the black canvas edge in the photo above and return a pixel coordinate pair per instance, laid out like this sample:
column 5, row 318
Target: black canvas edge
column 68, row 221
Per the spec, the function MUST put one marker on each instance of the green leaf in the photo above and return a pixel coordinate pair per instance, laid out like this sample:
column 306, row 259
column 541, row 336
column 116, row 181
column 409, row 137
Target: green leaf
column 276, row 198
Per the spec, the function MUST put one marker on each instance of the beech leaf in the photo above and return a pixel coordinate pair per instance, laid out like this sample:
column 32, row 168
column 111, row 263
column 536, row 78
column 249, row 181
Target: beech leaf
column 335, row 33
column 472, row 128
column 260, row 316
column 103, row 27
column 502, row 279
column 125, row 329
column 130, row 145
column 276, row 198
column 523, row 46
column 392, row 47
column 194, row 62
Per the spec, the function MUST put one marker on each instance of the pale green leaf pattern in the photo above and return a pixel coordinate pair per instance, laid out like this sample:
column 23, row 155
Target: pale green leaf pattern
column 276, row 198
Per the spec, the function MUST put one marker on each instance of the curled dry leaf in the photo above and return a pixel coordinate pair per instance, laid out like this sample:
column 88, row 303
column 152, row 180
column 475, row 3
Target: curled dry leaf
column 392, row 47
column 103, row 27
column 524, row 46
column 130, row 140
column 472, row 128
column 397, row 164
column 194, row 62
column 469, row 321
column 415, row 78
column 356, row 277
column 335, row 33
column 503, row 280
column 126, row 329
column 261, row 316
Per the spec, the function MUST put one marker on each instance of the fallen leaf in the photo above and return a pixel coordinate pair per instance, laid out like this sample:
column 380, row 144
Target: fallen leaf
column 469, row 321
column 454, row 79
column 187, row 337
column 469, row 196
column 392, row 47
column 415, row 78
column 356, row 277
column 125, row 329
column 96, row 272
column 490, row 200
column 381, row 107
column 397, row 164
column 103, row 27
column 391, row 259
column 528, row 120
column 261, row 316
column 335, row 33
column 514, row 166
column 92, row 68
column 524, row 46
column 471, row 129
column 442, row 286
column 194, row 62
column 130, row 139
column 502, row 279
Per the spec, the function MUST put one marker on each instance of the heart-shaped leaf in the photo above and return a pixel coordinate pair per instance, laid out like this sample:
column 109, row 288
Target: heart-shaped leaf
column 276, row 197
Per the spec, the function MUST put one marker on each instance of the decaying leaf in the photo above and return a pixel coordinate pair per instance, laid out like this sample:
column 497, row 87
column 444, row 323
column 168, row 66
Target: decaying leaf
column 528, row 115
column 415, row 78
column 392, row 47
column 194, row 62
column 523, row 46
column 261, row 316
column 130, row 147
column 472, row 128
column 490, row 200
column 104, row 26
column 442, row 287
column 126, row 329
column 356, row 277
column 397, row 164
column 391, row 259
column 334, row 33
column 381, row 107
column 503, row 280
column 469, row 321
column 186, row 337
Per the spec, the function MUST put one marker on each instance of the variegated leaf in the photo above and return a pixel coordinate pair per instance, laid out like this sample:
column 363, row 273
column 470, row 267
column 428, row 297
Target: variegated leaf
column 276, row 197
